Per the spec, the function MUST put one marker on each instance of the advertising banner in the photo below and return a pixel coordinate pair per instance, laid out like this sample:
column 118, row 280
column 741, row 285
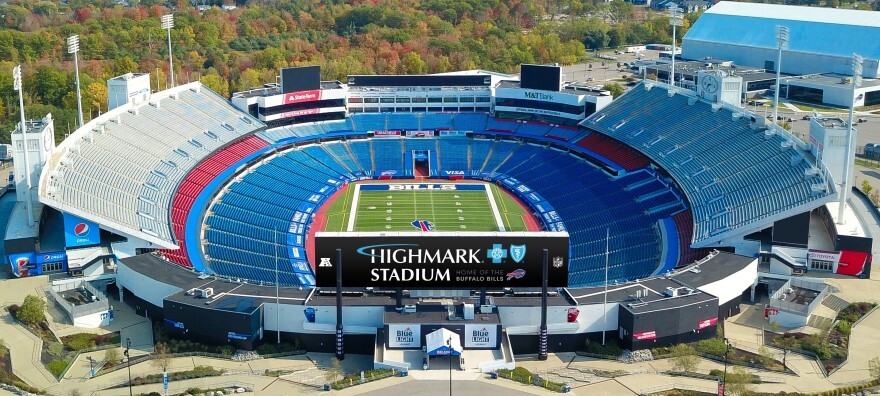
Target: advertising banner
column 706, row 323
column 480, row 336
column 302, row 96
column 51, row 257
column 649, row 335
column 79, row 232
column 404, row 336
column 441, row 260
column 23, row 264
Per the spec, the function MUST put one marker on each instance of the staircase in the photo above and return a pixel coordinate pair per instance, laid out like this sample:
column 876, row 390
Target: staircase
column 834, row 302
column 488, row 155
column 820, row 322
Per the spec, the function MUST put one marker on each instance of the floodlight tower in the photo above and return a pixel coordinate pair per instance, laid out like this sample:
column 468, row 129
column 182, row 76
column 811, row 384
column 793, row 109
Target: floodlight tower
column 16, row 84
column 167, row 24
column 782, row 40
column 675, row 19
column 850, row 152
column 73, row 48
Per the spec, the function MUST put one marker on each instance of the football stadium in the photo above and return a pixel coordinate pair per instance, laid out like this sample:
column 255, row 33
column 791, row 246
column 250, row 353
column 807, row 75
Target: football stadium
column 518, row 214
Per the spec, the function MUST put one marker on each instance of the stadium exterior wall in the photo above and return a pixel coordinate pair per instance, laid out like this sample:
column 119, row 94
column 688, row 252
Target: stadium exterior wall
column 731, row 288
column 144, row 287
column 792, row 62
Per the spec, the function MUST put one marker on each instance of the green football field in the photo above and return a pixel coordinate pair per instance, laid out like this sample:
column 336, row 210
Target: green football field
column 438, row 206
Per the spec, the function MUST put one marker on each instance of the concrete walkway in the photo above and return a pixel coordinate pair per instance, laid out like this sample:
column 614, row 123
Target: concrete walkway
column 25, row 349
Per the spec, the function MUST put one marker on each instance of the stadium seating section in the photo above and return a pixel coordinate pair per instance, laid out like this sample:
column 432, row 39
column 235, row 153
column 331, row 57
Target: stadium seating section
column 733, row 174
column 125, row 173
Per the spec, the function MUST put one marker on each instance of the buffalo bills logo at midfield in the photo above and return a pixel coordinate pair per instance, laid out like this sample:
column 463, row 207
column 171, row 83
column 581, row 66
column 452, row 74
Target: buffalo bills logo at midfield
column 81, row 229
column 518, row 253
column 518, row 274
column 423, row 225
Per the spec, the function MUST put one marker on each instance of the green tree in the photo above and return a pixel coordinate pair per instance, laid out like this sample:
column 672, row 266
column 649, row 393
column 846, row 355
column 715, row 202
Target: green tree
column 50, row 85
column 685, row 358
column 615, row 89
column 161, row 358
column 866, row 187
column 413, row 64
column 216, row 84
column 334, row 371
column 111, row 356
column 124, row 65
column 32, row 311
column 765, row 356
column 739, row 382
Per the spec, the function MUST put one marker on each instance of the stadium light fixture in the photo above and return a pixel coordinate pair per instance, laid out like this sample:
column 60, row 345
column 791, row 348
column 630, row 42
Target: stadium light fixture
column 675, row 19
column 16, row 84
column 782, row 40
column 73, row 48
column 168, row 24
column 849, row 155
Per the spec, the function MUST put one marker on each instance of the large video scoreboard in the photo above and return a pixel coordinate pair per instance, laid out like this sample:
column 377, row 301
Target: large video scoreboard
column 441, row 260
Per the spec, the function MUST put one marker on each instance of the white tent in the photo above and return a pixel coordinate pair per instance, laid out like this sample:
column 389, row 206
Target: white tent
column 443, row 343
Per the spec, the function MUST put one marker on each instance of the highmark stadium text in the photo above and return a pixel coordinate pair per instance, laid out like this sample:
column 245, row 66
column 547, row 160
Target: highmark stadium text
column 442, row 260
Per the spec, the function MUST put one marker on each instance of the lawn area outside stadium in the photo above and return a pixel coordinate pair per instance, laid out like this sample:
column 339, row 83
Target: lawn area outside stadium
column 440, row 205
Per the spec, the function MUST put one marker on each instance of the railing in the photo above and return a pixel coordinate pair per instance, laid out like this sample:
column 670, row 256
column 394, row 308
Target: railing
column 682, row 386
column 144, row 358
column 76, row 311
column 801, row 309
column 343, row 384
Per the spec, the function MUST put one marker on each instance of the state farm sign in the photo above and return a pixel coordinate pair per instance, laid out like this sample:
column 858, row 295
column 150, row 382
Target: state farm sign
column 304, row 96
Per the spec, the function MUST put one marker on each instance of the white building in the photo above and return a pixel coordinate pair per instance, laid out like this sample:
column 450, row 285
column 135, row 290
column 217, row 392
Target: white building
column 821, row 40
column 128, row 88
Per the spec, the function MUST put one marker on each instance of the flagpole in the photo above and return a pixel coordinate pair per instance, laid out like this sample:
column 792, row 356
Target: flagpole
column 605, row 295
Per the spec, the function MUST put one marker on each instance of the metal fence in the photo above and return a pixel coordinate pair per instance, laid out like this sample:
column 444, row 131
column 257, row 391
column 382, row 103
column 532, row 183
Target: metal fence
column 76, row 311
column 144, row 358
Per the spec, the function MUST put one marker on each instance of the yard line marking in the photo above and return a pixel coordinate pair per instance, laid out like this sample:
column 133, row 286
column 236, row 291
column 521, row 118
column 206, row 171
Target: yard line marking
column 353, row 211
column 494, row 208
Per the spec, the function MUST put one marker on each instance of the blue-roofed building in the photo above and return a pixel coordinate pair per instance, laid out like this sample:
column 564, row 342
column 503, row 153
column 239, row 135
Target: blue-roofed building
column 821, row 40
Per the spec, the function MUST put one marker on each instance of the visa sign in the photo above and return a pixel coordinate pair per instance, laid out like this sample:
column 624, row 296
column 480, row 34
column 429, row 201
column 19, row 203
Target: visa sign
column 79, row 232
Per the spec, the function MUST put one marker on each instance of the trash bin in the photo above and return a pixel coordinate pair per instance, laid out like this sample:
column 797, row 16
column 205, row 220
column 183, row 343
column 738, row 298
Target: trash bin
column 566, row 389
column 403, row 373
column 326, row 387
column 493, row 375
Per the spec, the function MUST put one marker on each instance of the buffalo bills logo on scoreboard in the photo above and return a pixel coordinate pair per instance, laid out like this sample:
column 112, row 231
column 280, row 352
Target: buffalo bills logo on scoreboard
column 518, row 274
column 79, row 232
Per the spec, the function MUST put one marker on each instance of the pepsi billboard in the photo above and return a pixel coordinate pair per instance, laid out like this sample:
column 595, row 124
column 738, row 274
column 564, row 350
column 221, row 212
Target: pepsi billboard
column 441, row 260
column 23, row 264
column 79, row 232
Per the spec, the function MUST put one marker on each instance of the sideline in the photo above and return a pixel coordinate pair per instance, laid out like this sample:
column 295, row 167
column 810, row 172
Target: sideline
column 494, row 208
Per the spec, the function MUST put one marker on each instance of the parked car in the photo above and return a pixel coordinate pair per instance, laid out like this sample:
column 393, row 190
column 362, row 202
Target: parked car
column 424, row 363
column 807, row 117
column 863, row 120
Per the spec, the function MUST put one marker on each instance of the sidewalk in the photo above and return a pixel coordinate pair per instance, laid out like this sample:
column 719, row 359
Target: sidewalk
column 25, row 349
